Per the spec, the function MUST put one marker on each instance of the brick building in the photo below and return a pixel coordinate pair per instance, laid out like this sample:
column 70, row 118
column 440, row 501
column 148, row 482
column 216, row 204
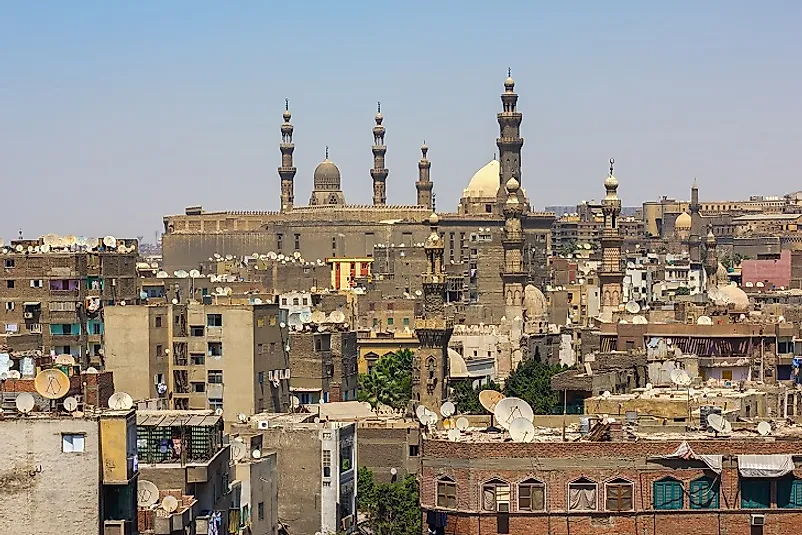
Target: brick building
column 323, row 366
column 686, row 483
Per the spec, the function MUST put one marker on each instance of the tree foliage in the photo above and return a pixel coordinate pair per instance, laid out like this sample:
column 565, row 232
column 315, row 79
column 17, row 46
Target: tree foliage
column 389, row 381
column 466, row 397
column 391, row 508
column 531, row 381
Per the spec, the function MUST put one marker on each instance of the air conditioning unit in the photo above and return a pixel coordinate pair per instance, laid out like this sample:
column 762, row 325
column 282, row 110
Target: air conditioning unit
column 116, row 527
column 263, row 425
column 757, row 520
column 27, row 315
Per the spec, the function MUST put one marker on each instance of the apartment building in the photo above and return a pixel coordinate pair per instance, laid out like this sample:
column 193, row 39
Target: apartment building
column 323, row 365
column 57, row 295
column 232, row 357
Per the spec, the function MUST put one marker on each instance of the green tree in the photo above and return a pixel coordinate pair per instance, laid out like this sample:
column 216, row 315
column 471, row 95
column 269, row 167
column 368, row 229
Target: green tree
column 391, row 508
column 389, row 381
column 683, row 290
column 466, row 397
column 531, row 381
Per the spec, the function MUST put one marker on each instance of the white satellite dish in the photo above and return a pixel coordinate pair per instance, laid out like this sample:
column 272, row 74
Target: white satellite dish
column 420, row 412
column 181, row 274
column 509, row 409
column 162, row 275
column 337, row 317
column 242, row 417
column 25, row 402
column 462, row 423
column 704, row 320
column 675, row 373
column 110, row 241
column 447, row 409
column 271, row 255
column 70, row 404
column 763, row 428
column 169, row 504
column 238, row 449
column 256, row 454
column 120, row 401
column 147, row 493
column 318, row 316
column 218, row 411
column 719, row 424
column 683, row 379
column 632, row 307
column 194, row 273
column 295, row 402
column 257, row 301
column 454, row 434
column 649, row 386
column 606, row 394
column 522, row 430
column 640, row 320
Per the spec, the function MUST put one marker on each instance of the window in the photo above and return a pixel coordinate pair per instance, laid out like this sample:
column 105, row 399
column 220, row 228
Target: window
column 789, row 493
column 199, row 387
column 215, row 377
column 496, row 496
column 159, row 350
column 196, row 330
column 305, row 301
column 273, row 321
column 619, row 495
column 260, row 348
column 216, row 403
column 668, row 494
column 755, row 493
column 260, row 322
column 326, row 463
column 197, row 359
column 531, row 495
column 297, row 241
column 414, row 450
column 72, row 443
column 406, row 322
column 9, row 305
column 704, row 493
column 9, row 262
column 214, row 320
column 390, row 321
column 215, row 349
column 346, row 454
column 284, row 301
column 36, row 283
column 10, row 283
column 158, row 321
column 295, row 301
column 260, row 510
column 390, row 306
column 446, row 493
column 582, row 495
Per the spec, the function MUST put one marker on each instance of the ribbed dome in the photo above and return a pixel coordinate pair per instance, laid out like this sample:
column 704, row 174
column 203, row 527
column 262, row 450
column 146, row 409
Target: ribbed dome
column 326, row 174
column 485, row 181
column 683, row 221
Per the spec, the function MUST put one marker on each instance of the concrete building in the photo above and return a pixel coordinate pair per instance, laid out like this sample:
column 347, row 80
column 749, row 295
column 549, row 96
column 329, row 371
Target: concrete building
column 68, row 473
column 316, row 469
column 230, row 357
column 258, row 478
column 323, row 365
column 54, row 293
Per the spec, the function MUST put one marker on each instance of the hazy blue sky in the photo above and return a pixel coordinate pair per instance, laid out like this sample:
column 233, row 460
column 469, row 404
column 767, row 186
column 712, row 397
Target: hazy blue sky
column 114, row 114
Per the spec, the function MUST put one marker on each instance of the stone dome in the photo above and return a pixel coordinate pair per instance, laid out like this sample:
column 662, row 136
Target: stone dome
column 735, row 297
column 327, row 175
column 457, row 369
column 484, row 182
column 535, row 302
column 683, row 221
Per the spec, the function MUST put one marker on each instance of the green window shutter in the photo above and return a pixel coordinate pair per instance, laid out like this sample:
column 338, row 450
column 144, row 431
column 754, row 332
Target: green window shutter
column 704, row 494
column 789, row 493
column 667, row 494
column 755, row 494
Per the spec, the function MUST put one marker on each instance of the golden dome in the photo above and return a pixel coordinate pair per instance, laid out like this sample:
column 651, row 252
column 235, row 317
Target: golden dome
column 683, row 221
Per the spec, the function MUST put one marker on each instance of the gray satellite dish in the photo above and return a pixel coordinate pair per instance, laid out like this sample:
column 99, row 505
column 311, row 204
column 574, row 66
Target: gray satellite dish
column 24, row 402
column 70, row 404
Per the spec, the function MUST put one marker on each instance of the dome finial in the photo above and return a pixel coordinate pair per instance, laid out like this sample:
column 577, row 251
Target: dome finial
column 612, row 163
column 327, row 152
column 509, row 72
column 378, row 107
column 287, row 104
column 434, row 203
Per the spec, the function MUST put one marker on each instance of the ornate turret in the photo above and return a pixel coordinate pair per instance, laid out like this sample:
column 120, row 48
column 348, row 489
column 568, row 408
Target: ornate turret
column 611, row 277
column 513, row 276
column 430, row 366
column 424, row 184
column 711, row 259
column 379, row 172
column 327, row 184
column 509, row 142
column 287, row 170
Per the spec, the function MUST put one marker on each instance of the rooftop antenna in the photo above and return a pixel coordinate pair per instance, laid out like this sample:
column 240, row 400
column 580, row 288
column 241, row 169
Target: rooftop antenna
column 522, row 430
column 147, row 493
column 286, row 104
column 508, row 409
column 763, row 428
column 24, row 402
column 489, row 399
column 120, row 401
column 20, row 233
column 434, row 202
column 327, row 152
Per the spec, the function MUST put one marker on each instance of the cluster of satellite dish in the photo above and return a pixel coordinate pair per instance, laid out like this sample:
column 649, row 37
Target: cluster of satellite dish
column 271, row 256
column 147, row 496
column 54, row 242
column 297, row 321
column 52, row 384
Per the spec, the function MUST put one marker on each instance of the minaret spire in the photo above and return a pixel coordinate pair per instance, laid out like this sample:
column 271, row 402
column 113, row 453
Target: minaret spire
column 379, row 172
column 287, row 170
column 509, row 142
column 611, row 277
column 424, row 184
column 695, row 237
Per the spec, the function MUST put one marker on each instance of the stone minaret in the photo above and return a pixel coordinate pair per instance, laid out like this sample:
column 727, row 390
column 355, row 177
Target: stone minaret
column 379, row 172
column 711, row 260
column 509, row 143
column 424, row 184
column 513, row 276
column 695, row 237
column 287, row 171
column 430, row 366
column 611, row 277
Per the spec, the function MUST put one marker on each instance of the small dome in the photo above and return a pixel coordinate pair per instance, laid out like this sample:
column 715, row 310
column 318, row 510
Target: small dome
column 434, row 219
column 513, row 185
column 509, row 83
column 287, row 115
column 484, row 182
column 611, row 182
column 327, row 173
column 683, row 221
column 457, row 369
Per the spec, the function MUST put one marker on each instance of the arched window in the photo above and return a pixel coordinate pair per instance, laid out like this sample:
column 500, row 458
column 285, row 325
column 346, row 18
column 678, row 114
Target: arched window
column 446, row 493
column 583, row 495
column 619, row 494
column 789, row 493
column 496, row 496
column 667, row 494
column 704, row 493
column 531, row 495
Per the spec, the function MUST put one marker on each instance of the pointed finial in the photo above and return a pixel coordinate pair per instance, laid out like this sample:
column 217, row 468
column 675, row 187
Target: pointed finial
column 434, row 202
column 327, row 152
column 612, row 163
column 378, row 107
column 287, row 104
column 509, row 72
column 494, row 156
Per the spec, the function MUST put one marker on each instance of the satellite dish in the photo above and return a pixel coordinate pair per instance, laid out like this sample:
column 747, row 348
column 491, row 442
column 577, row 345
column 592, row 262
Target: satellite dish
column 65, row 360
column 337, row 317
column 295, row 402
column 242, row 417
column 296, row 255
column 509, row 409
column 704, row 320
column 14, row 374
column 606, row 394
column 318, row 316
column 169, row 504
column 91, row 369
column 447, row 409
column 649, row 386
column 522, row 430
column 110, row 241
column 420, row 412
column 70, row 404
column 684, row 379
column 227, row 290
column 218, row 411
column 489, row 399
column 256, row 454
column 454, row 434
column 181, row 274
column 763, row 428
column 44, row 248
column 632, row 307
column 24, row 402
column 19, row 248
column 640, row 320
column 294, row 320
column 238, row 450
column 719, row 424
column 120, row 401
column 393, row 471
column 257, row 301
column 194, row 273
column 162, row 275
column 147, row 493
column 675, row 373
column 305, row 316
column 272, row 255
column 52, row 384
column 462, row 423
column 433, row 417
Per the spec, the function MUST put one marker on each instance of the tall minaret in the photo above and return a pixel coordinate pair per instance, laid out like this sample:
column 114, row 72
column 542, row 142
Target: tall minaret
column 611, row 277
column 287, row 171
column 430, row 369
column 379, row 172
column 695, row 238
column 509, row 142
column 424, row 184
column 514, row 276
column 711, row 260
